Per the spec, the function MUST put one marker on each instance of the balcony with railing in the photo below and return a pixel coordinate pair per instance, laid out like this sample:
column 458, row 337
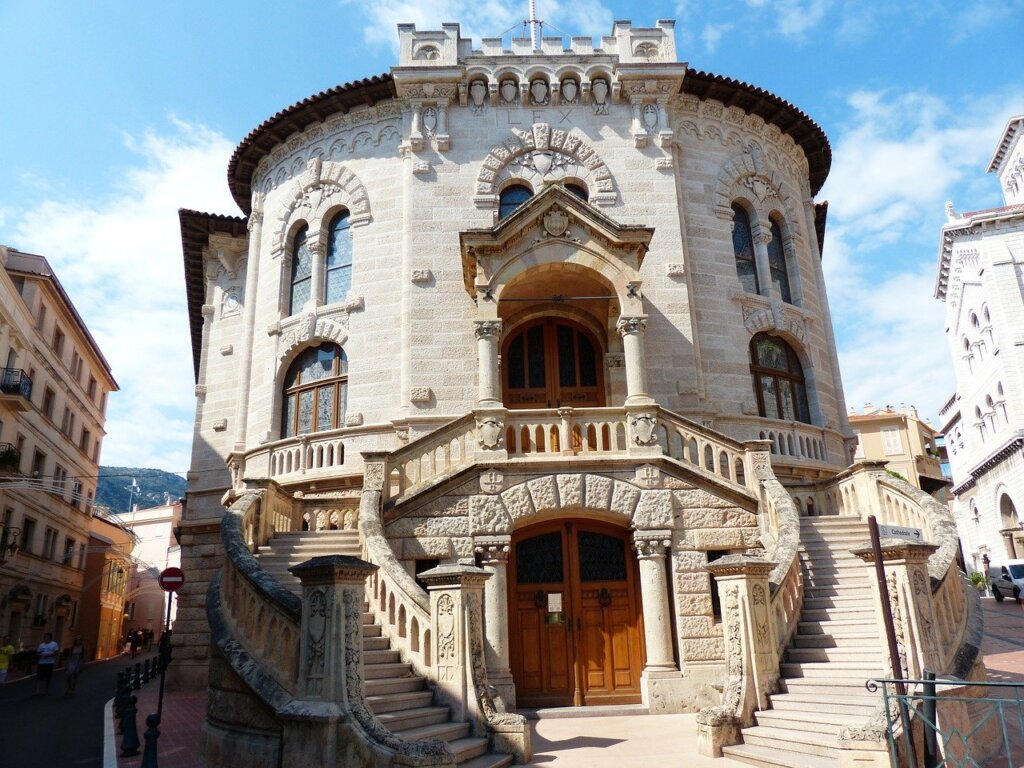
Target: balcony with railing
column 15, row 388
column 10, row 458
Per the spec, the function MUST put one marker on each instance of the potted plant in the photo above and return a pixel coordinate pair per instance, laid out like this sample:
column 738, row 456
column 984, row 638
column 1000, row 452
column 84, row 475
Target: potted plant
column 978, row 580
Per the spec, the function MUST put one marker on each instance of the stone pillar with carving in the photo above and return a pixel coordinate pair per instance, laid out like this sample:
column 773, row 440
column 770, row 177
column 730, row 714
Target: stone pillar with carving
column 631, row 329
column 661, row 680
column 762, row 235
column 493, row 552
column 488, row 338
column 910, row 600
column 316, row 279
column 751, row 650
column 330, row 686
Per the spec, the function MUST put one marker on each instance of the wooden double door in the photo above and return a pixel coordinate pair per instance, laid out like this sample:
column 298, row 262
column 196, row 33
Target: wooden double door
column 574, row 616
column 552, row 363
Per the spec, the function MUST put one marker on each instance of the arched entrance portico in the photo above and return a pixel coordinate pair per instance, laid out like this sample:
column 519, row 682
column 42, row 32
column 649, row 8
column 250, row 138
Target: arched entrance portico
column 552, row 362
column 574, row 614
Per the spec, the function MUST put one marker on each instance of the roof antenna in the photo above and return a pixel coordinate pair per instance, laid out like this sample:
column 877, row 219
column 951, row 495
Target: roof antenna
column 535, row 26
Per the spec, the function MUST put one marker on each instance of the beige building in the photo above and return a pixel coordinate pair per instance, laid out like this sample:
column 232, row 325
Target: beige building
column 907, row 445
column 155, row 549
column 53, row 397
column 538, row 330
column 108, row 568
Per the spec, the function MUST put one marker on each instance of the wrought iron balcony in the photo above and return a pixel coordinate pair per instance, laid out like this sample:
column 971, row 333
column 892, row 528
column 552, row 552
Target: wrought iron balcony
column 10, row 458
column 16, row 388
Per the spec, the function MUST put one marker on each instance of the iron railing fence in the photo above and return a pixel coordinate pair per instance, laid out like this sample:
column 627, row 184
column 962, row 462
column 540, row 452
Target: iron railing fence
column 955, row 723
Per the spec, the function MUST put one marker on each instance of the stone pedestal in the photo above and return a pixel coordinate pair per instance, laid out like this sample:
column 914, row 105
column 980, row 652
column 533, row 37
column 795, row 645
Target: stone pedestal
column 661, row 682
column 751, row 650
column 494, row 551
column 910, row 601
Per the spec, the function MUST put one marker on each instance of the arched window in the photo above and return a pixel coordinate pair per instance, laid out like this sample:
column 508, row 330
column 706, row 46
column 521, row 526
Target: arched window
column 777, row 264
column 743, row 249
column 778, row 379
column 338, row 272
column 302, row 271
column 579, row 190
column 315, row 391
column 511, row 198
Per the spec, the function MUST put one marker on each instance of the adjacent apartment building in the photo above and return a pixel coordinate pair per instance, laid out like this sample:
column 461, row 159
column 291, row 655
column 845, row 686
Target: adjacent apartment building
column 53, row 396
column 980, row 279
column 155, row 548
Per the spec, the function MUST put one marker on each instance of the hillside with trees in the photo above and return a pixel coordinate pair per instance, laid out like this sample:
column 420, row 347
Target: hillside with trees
column 116, row 492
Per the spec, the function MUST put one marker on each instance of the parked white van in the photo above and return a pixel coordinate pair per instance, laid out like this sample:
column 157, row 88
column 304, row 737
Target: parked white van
column 1007, row 580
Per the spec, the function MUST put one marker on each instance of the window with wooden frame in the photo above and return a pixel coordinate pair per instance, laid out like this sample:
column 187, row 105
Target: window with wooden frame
column 778, row 380
column 315, row 391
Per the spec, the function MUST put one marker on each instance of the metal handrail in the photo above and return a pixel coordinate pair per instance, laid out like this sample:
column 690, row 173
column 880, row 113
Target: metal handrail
column 14, row 381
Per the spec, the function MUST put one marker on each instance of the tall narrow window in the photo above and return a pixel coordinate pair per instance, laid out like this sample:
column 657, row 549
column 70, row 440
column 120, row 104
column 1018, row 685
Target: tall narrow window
column 338, row 275
column 778, row 379
column 743, row 250
column 302, row 272
column 511, row 198
column 315, row 391
column 777, row 264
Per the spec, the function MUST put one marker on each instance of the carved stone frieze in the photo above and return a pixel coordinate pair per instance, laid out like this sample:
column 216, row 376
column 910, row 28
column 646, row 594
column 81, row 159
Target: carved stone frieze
column 309, row 327
column 420, row 276
column 483, row 329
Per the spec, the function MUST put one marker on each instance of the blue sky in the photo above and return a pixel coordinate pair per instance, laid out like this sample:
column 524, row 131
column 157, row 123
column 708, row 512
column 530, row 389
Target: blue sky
column 118, row 113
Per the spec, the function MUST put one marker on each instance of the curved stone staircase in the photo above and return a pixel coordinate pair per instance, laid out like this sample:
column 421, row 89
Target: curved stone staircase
column 400, row 699
column 837, row 647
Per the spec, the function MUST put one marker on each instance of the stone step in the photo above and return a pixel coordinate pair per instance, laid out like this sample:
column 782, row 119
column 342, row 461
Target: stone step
column 385, row 685
column 870, row 657
column 843, row 684
column 372, row 658
column 811, row 722
column 368, row 617
column 818, row 702
column 802, row 742
column 392, row 702
column 865, row 615
column 443, row 731
column 378, row 671
column 869, row 639
column 413, row 718
column 836, row 627
column 829, row 669
column 777, row 758
column 829, row 587
column 854, row 600
column 490, row 760
column 376, row 643
column 371, row 630
column 467, row 748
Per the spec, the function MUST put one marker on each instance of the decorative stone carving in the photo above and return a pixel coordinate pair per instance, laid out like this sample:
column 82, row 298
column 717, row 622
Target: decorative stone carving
column 227, row 349
column 663, row 164
column 508, row 91
column 642, row 426
column 648, row 476
column 420, row 395
column 492, row 551
column 675, row 269
column 219, row 425
column 599, row 92
column 486, row 328
column 556, row 222
column 420, row 276
column 654, row 546
column 615, row 360
column 319, row 601
column 491, row 481
column 230, row 303
column 353, row 419
column 373, row 476
column 490, row 432
column 446, row 631
column 626, row 325
column 478, row 96
column 421, row 167
column 539, row 92
column 309, row 328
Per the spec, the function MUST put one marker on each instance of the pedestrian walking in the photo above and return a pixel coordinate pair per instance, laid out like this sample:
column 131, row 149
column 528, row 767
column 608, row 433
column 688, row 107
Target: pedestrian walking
column 6, row 656
column 47, row 651
column 75, row 662
column 135, row 640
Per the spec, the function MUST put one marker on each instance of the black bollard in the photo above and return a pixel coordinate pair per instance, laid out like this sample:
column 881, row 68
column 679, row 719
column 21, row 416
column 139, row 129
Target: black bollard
column 151, row 735
column 130, row 742
column 119, row 695
column 137, row 680
column 145, row 672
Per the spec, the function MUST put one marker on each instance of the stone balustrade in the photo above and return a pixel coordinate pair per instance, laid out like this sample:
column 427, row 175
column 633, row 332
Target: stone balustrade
column 430, row 457
column 790, row 439
column 566, row 431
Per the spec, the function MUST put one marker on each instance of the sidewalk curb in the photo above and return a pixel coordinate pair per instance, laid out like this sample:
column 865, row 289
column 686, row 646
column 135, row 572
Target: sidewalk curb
column 109, row 737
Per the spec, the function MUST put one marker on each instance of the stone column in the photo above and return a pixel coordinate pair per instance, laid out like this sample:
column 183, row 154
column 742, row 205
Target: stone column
column 910, row 601
column 762, row 235
column 252, row 273
column 316, row 279
column 661, row 681
column 494, row 551
column 455, row 617
column 330, row 686
column 632, row 331
column 751, row 650
column 488, row 336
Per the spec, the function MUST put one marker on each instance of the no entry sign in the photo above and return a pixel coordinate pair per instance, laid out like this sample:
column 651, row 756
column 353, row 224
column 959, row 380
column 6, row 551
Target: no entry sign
column 171, row 579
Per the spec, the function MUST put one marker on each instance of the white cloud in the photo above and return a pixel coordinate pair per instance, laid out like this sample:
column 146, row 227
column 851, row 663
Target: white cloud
column 712, row 35
column 483, row 19
column 120, row 260
column 899, row 157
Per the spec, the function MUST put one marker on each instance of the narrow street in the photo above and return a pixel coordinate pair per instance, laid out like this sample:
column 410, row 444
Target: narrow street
column 54, row 731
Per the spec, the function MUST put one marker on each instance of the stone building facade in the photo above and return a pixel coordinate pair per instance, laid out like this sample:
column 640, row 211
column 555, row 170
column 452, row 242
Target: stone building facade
column 539, row 331
column 979, row 279
column 908, row 445
column 53, row 395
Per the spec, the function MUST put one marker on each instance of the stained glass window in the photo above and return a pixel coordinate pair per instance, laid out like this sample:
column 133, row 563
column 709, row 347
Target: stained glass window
column 315, row 391
column 778, row 380
column 302, row 272
column 778, row 265
column 511, row 198
column 338, row 275
column 743, row 249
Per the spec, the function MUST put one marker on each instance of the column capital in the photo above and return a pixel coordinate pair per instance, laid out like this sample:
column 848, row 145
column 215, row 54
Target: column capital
column 652, row 544
column 314, row 246
column 487, row 328
column 255, row 220
column 630, row 325
column 493, row 550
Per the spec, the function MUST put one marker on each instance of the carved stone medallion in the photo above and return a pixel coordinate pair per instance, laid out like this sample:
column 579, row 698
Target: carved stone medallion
column 556, row 222
column 508, row 91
